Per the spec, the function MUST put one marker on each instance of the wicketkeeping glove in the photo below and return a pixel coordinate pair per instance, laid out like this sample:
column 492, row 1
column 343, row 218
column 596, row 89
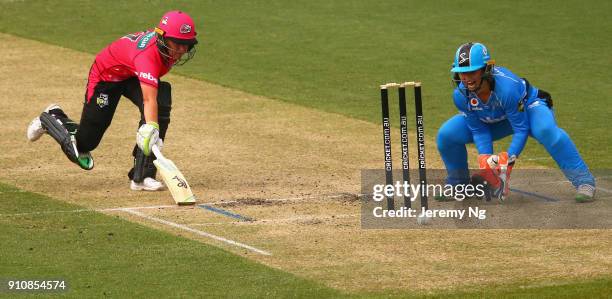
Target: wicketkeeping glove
column 502, row 165
column 147, row 136
column 487, row 172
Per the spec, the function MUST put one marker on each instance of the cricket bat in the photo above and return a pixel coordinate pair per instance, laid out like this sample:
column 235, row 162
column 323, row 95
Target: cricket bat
column 174, row 179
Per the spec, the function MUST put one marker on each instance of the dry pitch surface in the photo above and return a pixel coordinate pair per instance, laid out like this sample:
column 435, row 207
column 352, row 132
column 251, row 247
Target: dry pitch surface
column 249, row 151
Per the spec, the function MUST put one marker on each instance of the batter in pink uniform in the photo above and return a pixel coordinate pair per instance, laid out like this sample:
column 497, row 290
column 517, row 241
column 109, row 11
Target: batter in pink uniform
column 132, row 67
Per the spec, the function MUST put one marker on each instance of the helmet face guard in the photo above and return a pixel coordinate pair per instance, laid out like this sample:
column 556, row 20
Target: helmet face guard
column 486, row 74
column 178, row 27
column 165, row 50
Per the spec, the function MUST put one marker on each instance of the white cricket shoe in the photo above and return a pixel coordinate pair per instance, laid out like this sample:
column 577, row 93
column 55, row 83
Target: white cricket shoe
column 148, row 184
column 35, row 129
column 585, row 193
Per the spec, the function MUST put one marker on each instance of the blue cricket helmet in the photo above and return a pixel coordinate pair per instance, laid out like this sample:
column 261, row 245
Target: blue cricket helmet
column 470, row 57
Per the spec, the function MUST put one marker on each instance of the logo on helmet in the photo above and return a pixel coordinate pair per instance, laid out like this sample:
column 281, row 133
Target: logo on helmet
column 165, row 21
column 185, row 28
column 463, row 58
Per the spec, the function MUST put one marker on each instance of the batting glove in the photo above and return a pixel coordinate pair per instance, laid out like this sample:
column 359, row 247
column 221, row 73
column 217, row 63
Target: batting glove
column 147, row 136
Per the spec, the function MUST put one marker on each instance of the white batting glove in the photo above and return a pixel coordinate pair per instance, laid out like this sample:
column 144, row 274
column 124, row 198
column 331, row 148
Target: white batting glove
column 160, row 144
column 147, row 136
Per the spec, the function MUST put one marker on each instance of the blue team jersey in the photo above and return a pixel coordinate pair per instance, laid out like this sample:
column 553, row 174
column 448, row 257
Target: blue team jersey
column 510, row 97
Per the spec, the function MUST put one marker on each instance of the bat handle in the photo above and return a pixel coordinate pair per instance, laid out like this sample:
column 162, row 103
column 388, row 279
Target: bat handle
column 157, row 152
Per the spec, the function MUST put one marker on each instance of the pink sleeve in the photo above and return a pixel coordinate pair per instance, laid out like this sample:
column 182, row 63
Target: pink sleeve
column 147, row 69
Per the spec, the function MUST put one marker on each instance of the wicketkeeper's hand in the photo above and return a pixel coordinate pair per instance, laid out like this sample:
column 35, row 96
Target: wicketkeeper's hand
column 500, row 161
column 502, row 166
column 147, row 136
column 487, row 172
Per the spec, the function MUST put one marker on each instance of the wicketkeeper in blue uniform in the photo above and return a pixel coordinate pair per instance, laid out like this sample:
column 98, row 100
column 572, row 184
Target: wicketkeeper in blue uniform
column 494, row 103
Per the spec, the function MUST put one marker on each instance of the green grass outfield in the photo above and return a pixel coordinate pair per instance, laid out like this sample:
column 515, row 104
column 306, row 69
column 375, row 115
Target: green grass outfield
column 100, row 255
column 331, row 55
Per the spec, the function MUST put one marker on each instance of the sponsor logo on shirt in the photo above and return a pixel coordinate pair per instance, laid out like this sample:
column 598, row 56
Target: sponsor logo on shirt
column 491, row 120
column 147, row 76
column 474, row 104
column 145, row 40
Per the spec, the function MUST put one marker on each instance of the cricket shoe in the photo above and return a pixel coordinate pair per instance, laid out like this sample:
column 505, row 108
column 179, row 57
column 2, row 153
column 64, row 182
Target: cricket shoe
column 148, row 184
column 85, row 161
column 35, row 129
column 585, row 193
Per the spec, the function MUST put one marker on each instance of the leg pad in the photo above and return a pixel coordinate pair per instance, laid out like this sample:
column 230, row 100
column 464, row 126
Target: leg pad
column 62, row 129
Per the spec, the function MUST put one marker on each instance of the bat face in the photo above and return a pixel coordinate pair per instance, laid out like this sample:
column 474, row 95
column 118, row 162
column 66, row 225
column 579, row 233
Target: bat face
column 176, row 182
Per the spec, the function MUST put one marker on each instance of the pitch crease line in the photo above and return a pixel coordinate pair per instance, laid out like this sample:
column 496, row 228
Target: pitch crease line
column 197, row 232
column 225, row 213
column 138, row 208
column 323, row 197
column 538, row 196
